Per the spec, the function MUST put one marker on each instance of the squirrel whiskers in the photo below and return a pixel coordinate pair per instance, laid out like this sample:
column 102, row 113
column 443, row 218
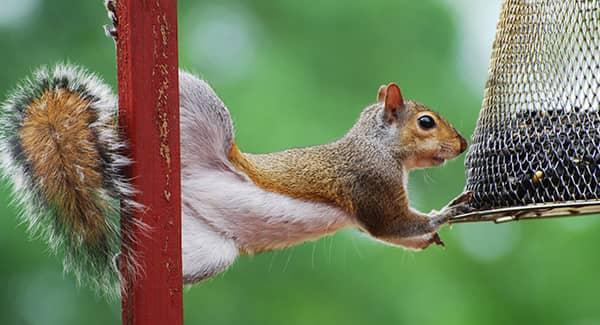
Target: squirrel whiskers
column 62, row 152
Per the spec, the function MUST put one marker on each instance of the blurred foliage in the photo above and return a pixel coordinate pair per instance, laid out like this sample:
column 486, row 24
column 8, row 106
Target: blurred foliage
column 293, row 75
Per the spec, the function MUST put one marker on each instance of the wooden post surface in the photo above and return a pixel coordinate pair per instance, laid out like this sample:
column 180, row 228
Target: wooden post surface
column 149, row 116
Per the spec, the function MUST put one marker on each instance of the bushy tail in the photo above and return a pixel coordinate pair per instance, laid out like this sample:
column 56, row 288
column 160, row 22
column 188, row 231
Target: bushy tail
column 61, row 151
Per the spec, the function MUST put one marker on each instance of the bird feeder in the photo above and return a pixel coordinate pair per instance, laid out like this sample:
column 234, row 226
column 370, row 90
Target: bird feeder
column 536, row 147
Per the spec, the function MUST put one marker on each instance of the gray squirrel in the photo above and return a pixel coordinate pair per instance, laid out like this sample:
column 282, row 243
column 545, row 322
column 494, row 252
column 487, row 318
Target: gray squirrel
column 62, row 151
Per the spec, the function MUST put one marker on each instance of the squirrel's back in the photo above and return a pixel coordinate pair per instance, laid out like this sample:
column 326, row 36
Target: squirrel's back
column 225, row 212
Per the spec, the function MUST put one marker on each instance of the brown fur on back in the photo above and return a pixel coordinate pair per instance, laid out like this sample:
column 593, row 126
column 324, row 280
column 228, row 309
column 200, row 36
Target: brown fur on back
column 306, row 173
column 351, row 174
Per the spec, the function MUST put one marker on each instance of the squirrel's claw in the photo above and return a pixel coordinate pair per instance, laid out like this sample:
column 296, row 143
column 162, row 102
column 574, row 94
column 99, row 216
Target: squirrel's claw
column 463, row 198
column 436, row 239
column 110, row 31
column 460, row 205
column 111, row 9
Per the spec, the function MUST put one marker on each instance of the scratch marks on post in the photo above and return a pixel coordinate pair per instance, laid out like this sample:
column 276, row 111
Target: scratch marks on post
column 161, row 32
column 167, row 122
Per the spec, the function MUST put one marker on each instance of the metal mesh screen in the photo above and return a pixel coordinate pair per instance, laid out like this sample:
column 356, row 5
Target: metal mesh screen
column 537, row 141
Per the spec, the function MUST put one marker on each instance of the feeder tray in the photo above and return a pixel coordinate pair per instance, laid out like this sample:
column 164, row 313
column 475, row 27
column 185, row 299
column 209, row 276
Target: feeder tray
column 536, row 147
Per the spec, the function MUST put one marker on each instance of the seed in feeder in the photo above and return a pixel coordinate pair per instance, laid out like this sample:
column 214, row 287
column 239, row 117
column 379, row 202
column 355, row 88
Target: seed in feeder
column 502, row 167
column 537, row 176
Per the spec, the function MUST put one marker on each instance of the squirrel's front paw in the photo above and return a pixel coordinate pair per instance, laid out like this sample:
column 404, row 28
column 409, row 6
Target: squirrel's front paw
column 458, row 206
column 111, row 9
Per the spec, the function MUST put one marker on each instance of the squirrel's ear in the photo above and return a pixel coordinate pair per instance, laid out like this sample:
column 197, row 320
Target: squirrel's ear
column 381, row 93
column 393, row 102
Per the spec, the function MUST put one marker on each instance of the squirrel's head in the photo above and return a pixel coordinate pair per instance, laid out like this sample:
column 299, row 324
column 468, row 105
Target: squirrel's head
column 415, row 136
column 418, row 136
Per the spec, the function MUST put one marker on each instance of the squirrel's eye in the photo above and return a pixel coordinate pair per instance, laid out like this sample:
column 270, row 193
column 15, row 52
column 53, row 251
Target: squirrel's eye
column 426, row 122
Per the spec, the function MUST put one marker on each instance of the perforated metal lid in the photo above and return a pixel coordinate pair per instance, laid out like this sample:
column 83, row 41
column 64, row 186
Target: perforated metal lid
column 536, row 147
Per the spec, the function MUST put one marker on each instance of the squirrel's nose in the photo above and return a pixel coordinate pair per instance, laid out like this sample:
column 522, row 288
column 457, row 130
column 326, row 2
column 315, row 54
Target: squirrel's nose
column 463, row 144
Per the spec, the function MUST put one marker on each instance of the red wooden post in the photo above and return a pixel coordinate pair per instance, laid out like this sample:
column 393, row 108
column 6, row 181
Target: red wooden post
column 149, row 115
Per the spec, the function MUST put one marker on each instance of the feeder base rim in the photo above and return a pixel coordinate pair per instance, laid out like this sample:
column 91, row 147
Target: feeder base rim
column 534, row 211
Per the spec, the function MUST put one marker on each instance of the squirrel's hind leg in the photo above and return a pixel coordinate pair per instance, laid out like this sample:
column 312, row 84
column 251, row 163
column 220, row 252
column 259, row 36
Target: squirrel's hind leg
column 205, row 253
column 111, row 10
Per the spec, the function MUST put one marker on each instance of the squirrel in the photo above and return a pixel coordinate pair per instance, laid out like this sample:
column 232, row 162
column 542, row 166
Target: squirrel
column 61, row 150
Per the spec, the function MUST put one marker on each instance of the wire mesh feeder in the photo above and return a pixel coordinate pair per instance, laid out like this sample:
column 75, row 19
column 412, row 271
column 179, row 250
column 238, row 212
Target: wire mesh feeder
column 536, row 147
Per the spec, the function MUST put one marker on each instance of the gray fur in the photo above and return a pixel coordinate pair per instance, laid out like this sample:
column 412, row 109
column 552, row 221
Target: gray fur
column 206, row 128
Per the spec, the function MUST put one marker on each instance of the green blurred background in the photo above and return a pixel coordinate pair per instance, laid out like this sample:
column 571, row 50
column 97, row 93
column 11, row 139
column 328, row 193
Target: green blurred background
column 297, row 74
